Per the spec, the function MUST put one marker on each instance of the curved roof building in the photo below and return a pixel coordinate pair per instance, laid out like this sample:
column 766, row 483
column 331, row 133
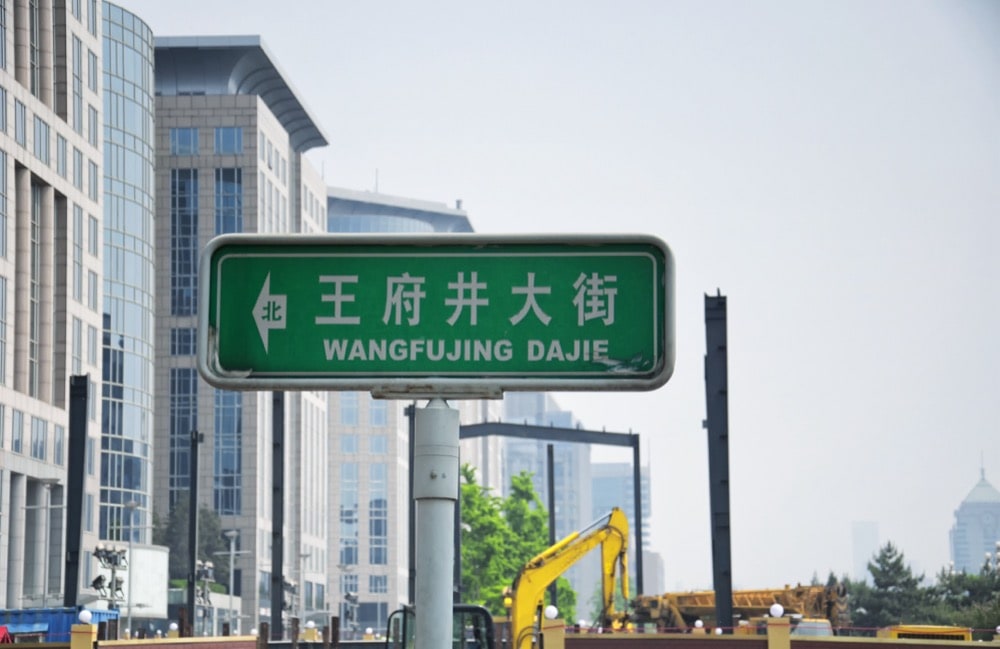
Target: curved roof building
column 235, row 65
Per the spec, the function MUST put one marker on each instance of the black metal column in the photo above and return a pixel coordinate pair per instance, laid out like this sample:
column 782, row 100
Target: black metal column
column 277, row 514
column 196, row 438
column 551, row 481
column 75, row 485
column 717, row 424
column 637, row 497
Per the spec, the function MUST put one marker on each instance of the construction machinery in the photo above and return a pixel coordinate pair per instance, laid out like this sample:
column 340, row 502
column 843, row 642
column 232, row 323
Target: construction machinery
column 473, row 626
column 524, row 598
column 680, row 611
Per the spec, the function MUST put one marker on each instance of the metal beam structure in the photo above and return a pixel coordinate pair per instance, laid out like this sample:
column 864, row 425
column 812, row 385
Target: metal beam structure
column 717, row 424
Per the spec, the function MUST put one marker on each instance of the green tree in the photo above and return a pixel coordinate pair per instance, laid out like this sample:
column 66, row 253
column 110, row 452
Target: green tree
column 895, row 597
column 488, row 560
column 968, row 600
column 499, row 536
column 528, row 520
column 212, row 546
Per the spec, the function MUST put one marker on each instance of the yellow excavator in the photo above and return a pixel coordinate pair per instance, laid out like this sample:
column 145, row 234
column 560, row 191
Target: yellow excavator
column 473, row 626
column 524, row 599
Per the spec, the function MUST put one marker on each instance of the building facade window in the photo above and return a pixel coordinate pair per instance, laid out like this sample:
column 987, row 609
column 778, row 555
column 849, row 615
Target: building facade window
column 93, row 127
column 229, row 140
column 228, row 200
column 378, row 514
column 34, row 47
column 41, row 142
column 77, row 85
column 92, row 347
column 93, row 76
column 348, row 443
column 228, row 469
column 62, row 162
column 183, row 241
column 3, row 91
column 20, row 123
column 3, row 330
column 39, row 435
column 3, row 204
column 183, row 341
column 95, row 181
column 76, row 351
column 93, row 291
column 378, row 584
column 93, row 235
column 377, row 412
column 35, row 290
column 348, row 514
column 378, row 444
column 17, row 431
column 59, row 445
column 77, row 253
column 183, row 141
column 183, row 420
column 78, row 168
column 3, row 35
column 349, row 408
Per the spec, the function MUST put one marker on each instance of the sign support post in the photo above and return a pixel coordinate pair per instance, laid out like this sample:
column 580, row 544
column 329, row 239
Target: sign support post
column 435, row 489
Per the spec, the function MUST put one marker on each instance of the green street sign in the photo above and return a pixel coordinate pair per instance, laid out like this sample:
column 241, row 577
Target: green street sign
column 436, row 315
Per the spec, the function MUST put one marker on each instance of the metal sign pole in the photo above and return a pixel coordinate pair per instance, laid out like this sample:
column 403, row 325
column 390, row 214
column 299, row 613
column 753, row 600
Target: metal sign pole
column 435, row 486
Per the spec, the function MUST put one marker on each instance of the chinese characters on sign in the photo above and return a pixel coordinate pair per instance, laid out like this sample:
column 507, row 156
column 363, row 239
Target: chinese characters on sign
column 513, row 311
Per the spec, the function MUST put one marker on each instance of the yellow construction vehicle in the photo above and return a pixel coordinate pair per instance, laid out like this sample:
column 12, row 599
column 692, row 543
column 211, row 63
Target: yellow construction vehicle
column 524, row 598
column 679, row 611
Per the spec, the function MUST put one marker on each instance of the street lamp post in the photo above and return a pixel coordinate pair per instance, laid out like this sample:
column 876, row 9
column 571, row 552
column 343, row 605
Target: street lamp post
column 231, row 535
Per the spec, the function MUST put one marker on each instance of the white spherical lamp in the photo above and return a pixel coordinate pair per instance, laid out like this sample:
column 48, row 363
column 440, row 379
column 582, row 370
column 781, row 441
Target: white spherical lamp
column 718, row 630
column 173, row 626
column 85, row 616
column 551, row 612
column 310, row 624
column 777, row 610
column 698, row 624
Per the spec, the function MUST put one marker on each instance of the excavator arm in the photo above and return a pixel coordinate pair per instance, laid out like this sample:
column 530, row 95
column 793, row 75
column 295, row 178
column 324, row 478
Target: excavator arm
column 610, row 532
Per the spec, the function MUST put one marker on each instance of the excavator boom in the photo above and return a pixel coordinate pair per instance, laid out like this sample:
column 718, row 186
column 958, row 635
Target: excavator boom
column 610, row 533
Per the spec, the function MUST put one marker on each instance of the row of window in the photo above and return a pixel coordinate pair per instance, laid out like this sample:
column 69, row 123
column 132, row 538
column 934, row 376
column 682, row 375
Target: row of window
column 37, row 442
column 228, row 140
column 377, row 444
column 42, row 142
column 349, row 411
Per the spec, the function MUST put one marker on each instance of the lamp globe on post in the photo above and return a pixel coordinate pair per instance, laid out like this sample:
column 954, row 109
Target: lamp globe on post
column 777, row 610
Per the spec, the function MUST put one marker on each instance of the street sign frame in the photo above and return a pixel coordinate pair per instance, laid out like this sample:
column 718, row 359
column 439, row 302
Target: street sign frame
column 619, row 273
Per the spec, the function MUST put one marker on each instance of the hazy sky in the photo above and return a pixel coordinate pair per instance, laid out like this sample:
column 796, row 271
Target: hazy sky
column 833, row 168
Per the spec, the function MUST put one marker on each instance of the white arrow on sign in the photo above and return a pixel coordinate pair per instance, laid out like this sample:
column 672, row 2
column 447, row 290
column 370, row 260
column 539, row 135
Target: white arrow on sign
column 269, row 311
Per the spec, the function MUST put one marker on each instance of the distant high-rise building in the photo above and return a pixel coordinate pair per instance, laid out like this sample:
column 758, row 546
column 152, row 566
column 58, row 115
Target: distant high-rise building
column 52, row 288
column 230, row 137
column 864, row 543
column 976, row 532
